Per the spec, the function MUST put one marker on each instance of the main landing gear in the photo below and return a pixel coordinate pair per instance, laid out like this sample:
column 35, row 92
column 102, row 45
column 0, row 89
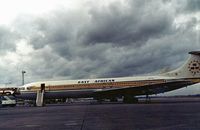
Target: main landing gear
column 130, row 99
column 148, row 99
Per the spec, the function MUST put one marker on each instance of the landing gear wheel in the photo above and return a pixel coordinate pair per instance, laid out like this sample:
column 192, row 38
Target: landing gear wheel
column 148, row 99
column 113, row 99
column 130, row 99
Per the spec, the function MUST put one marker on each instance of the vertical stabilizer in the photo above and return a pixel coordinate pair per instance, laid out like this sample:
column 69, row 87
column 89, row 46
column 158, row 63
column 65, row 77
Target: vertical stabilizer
column 190, row 69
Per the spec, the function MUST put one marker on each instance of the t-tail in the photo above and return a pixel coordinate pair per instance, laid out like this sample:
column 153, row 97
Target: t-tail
column 190, row 69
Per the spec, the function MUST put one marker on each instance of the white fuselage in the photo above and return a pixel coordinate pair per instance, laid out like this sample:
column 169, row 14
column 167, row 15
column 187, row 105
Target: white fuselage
column 86, row 87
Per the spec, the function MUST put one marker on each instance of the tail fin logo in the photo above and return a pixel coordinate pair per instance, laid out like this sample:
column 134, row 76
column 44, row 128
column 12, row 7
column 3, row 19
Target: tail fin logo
column 194, row 67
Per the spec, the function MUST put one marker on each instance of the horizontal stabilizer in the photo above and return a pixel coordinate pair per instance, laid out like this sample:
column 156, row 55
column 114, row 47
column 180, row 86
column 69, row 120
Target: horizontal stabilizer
column 195, row 53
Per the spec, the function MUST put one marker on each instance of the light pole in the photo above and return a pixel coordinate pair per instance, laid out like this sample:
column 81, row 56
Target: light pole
column 23, row 72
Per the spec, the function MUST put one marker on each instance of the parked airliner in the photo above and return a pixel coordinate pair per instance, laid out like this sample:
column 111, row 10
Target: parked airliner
column 126, row 87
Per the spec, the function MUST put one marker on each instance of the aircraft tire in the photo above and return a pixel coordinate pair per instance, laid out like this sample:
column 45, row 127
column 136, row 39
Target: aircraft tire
column 130, row 99
column 114, row 99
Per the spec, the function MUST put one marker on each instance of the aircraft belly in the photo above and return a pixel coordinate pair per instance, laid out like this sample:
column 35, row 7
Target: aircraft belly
column 57, row 94
column 27, row 95
column 69, row 94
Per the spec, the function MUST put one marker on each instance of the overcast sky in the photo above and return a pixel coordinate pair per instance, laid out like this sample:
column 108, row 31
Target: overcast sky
column 61, row 39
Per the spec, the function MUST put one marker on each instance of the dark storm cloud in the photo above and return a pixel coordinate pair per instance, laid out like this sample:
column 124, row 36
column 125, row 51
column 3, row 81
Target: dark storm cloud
column 58, row 30
column 192, row 5
column 121, row 26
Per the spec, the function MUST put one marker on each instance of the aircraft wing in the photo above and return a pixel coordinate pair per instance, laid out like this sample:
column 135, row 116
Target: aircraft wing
column 143, row 90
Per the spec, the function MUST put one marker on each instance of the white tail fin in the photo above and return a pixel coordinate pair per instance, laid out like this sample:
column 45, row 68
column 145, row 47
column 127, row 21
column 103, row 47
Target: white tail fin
column 190, row 69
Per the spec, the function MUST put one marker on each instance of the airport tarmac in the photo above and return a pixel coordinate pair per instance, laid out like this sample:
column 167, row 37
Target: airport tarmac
column 108, row 116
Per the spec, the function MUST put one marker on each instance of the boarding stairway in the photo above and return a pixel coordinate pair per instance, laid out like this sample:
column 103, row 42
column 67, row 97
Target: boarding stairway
column 40, row 96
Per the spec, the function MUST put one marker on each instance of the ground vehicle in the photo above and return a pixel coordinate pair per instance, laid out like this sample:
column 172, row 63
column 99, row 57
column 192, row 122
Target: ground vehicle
column 8, row 101
column 7, row 91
